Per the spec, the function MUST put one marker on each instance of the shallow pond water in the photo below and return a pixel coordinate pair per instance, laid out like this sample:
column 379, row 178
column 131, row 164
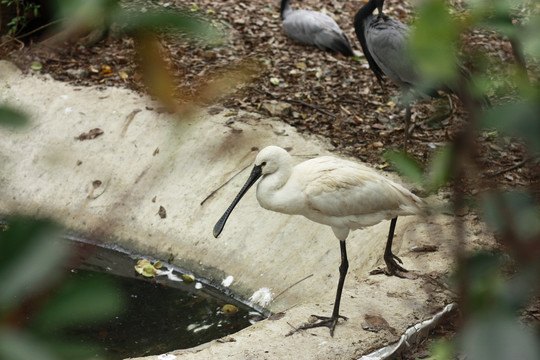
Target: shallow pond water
column 160, row 314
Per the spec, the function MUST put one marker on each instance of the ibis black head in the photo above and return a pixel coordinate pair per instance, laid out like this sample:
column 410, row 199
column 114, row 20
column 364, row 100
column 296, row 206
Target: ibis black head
column 380, row 5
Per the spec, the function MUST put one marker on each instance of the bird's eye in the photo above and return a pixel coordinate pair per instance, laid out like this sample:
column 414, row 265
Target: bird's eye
column 263, row 164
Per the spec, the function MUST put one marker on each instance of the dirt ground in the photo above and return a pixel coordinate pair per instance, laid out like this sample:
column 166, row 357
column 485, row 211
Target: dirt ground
column 325, row 94
column 328, row 94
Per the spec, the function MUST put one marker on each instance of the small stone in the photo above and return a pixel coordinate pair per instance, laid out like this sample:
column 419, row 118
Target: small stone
column 277, row 108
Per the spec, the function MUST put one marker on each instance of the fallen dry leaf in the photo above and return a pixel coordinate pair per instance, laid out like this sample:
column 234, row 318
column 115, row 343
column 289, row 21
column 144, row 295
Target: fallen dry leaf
column 92, row 134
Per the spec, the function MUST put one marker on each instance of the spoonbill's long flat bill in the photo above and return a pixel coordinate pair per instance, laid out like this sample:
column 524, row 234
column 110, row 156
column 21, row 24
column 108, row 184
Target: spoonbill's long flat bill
column 340, row 193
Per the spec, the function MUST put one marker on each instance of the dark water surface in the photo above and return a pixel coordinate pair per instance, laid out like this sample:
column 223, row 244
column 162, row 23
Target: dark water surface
column 160, row 314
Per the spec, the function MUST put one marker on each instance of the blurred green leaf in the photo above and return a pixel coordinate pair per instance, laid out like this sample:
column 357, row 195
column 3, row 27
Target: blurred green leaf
column 406, row 165
column 29, row 255
column 12, row 117
column 513, row 208
column 516, row 119
column 530, row 38
column 485, row 283
column 69, row 348
column 136, row 18
column 166, row 21
column 36, row 65
column 17, row 345
column 433, row 43
column 442, row 350
column 79, row 301
column 85, row 13
column 440, row 169
column 498, row 337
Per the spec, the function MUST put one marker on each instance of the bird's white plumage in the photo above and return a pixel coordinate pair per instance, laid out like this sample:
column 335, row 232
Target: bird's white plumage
column 342, row 194
column 331, row 191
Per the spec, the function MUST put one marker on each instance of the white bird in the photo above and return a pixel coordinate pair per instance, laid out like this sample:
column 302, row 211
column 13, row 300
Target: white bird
column 342, row 194
column 314, row 28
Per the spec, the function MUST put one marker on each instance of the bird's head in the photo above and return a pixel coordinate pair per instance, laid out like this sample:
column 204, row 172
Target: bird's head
column 270, row 159
column 380, row 5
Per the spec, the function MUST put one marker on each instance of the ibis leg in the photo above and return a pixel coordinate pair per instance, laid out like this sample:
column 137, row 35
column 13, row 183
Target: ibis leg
column 331, row 322
column 389, row 258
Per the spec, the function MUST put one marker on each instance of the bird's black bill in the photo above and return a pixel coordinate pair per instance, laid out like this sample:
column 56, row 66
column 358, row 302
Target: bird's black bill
column 253, row 177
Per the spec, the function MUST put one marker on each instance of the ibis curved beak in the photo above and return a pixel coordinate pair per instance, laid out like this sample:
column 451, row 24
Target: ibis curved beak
column 253, row 177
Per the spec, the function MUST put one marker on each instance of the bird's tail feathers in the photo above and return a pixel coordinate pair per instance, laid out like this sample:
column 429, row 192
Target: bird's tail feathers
column 428, row 206
column 343, row 46
column 415, row 205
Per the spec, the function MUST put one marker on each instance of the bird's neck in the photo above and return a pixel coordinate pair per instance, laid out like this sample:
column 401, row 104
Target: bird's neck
column 360, row 21
column 362, row 14
column 268, row 189
column 285, row 8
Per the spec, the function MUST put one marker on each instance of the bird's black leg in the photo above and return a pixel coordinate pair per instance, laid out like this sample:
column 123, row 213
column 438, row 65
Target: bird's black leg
column 332, row 321
column 389, row 258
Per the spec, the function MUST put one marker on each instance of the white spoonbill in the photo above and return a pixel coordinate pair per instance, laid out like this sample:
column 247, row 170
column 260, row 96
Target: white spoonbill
column 314, row 28
column 342, row 194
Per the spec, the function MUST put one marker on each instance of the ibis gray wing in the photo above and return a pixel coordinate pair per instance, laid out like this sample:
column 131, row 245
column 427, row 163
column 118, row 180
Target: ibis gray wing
column 315, row 28
column 387, row 41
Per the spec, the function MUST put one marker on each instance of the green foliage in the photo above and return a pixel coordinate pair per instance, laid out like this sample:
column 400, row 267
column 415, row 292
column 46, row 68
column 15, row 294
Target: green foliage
column 31, row 260
column 135, row 19
column 438, row 172
column 513, row 211
column 491, row 299
column 406, row 165
column 78, row 302
column 518, row 119
column 28, row 258
column 21, row 345
column 433, row 43
column 26, row 11
column 12, row 118
column 498, row 337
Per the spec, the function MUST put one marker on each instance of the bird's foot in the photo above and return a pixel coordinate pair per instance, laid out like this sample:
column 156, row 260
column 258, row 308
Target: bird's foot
column 392, row 267
column 329, row 322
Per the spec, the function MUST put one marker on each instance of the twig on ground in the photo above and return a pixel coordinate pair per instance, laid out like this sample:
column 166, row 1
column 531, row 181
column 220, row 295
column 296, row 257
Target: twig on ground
column 222, row 185
column 510, row 168
column 311, row 106
column 290, row 286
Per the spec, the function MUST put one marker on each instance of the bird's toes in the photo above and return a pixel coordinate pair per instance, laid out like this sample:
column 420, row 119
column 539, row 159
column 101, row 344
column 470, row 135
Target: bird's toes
column 326, row 318
column 398, row 259
column 395, row 272
column 392, row 267
column 329, row 322
column 377, row 271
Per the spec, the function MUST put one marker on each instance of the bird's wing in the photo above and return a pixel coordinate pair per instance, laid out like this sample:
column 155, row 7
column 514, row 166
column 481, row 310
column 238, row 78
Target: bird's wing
column 306, row 26
column 360, row 25
column 334, row 40
column 387, row 39
column 336, row 187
